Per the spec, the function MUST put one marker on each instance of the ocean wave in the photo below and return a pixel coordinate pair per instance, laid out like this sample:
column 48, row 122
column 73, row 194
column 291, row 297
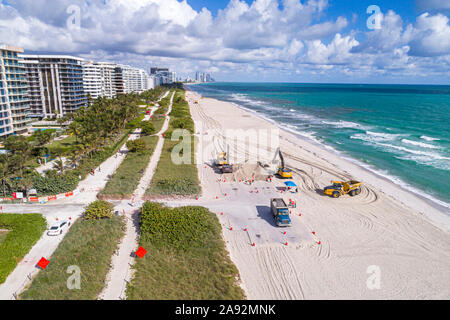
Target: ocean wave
column 374, row 137
column 429, row 138
column 245, row 99
column 433, row 155
column 420, row 144
column 345, row 124
column 385, row 136
column 426, row 161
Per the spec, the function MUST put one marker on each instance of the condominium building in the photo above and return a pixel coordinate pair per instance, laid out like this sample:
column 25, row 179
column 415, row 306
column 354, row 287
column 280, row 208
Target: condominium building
column 129, row 79
column 92, row 80
column 59, row 81
column 108, row 76
column 14, row 103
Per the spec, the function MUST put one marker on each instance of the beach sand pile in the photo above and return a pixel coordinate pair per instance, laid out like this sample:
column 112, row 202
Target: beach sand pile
column 386, row 243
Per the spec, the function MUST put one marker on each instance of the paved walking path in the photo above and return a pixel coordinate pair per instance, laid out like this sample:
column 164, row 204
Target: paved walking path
column 120, row 274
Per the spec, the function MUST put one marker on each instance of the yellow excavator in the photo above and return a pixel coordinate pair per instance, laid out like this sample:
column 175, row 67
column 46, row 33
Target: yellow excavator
column 340, row 188
column 283, row 172
column 222, row 159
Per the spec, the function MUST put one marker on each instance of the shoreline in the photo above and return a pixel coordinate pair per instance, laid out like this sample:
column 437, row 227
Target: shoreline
column 439, row 215
column 431, row 200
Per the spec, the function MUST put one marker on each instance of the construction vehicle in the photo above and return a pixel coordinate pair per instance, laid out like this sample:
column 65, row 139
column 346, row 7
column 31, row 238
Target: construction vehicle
column 283, row 172
column 340, row 188
column 221, row 159
column 280, row 212
column 227, row 168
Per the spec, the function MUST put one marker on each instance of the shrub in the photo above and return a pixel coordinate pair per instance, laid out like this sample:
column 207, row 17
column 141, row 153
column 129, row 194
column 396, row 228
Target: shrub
column 53, row 183
column 138, row 145
column 99, row 210
column 148, row 128
column 182, row 228
column 182, row 123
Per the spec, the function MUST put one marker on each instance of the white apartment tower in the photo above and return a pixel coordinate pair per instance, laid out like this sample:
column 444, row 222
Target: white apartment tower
column 14, row 101
column 92, row 80
column 55, row 84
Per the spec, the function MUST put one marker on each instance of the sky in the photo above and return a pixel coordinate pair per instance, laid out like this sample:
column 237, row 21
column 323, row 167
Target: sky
column 342, row 41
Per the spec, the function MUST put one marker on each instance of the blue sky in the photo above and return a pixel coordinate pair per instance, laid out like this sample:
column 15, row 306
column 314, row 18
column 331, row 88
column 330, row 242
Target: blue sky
column 244, row 40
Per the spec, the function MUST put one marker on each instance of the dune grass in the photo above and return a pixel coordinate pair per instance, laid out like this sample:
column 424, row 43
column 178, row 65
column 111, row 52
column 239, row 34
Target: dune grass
column 24, row 230
column 3, row 234
column 126, row 179
column 171, row 178
column 88, row 245
column 186, row 259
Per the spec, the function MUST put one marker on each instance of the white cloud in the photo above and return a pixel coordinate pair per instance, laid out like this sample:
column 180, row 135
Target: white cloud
column 431, row 36
column 294, row 37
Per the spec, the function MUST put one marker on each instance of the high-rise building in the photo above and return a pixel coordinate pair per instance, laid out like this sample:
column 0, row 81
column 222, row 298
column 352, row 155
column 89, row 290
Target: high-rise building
column 203, row 77
column 108, row 76
column 129, row 79
column 14, row 102
column 59, row 79
column 92, row 80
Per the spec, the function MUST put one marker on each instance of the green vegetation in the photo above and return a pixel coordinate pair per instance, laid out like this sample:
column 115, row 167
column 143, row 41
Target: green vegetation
column 3, row 234
column 89, row 245
column 187, row 258
column 148, row 128
column 98, row 210
column 151, row 96
column 126, row 179
column 94, row 134
column 170, row 178
column 24, row 231
column 63, row 146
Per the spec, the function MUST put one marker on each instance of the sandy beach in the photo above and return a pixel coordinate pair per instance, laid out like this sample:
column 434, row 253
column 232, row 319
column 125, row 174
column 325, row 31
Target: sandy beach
column 386, row 243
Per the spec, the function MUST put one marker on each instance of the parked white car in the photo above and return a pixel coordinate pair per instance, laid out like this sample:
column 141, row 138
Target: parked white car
column 58, row 228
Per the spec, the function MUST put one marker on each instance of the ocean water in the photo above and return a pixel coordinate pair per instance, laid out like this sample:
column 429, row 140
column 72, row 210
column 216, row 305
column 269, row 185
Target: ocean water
column 401, row 132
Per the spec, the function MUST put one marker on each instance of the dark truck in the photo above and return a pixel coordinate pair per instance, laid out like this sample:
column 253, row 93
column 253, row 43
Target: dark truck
column 227, row 168
column 280, row 212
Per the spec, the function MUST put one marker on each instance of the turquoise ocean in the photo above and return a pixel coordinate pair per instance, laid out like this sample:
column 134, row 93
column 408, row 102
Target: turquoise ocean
column 401, row 132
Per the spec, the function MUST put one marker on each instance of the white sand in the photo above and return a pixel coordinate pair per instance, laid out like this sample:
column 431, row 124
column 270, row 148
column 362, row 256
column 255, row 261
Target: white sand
column 385, row 226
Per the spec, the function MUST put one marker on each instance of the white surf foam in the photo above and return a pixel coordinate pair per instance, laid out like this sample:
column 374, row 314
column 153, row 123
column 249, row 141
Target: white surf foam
column 429, row 138
column 420, row 144
column 346, row 124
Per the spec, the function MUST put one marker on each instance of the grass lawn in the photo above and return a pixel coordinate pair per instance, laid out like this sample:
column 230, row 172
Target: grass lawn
column 126, row 179
column 158, row 122
column 24, row 231
column 65, row 145
column 186, row 259
column 3, row 233
column 88, row 245
column 171, row 178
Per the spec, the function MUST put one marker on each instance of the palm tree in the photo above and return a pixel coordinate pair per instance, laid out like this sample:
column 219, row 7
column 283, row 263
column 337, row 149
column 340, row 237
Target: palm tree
column 4, row 176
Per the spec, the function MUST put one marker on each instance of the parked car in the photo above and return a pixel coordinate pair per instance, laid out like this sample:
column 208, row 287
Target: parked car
column 58, row 228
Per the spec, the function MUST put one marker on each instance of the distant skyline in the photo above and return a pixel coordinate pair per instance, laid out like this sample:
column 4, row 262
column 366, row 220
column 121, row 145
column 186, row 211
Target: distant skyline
column 245, row 41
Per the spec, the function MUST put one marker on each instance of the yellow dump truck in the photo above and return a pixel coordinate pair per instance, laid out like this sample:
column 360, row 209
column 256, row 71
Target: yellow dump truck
column 340, row 188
